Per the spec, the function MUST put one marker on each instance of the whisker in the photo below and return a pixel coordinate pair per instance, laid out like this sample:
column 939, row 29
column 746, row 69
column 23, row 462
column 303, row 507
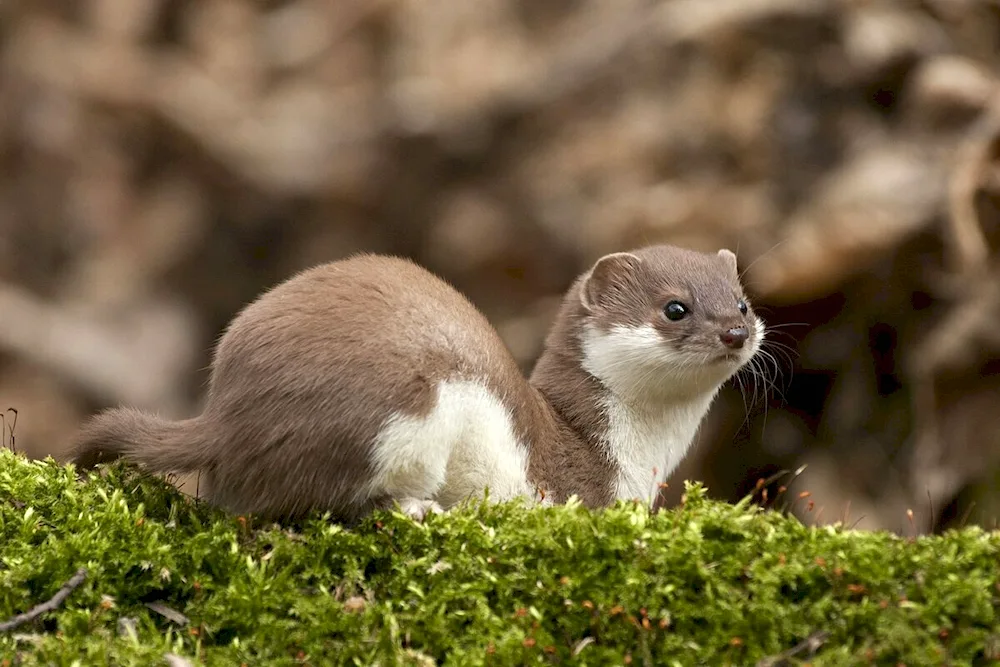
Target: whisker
column 763, row 369
column 773, row 381
column 755, row 372
column 766, row 379
column 778, row 343
column 762, row 256
column 778, row 346
column 788, row 356
column 772, row 334
column 787, row 324
column 743, row 396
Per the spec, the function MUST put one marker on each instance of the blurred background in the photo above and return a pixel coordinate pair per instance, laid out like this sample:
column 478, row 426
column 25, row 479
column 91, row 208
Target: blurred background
column 163, row 161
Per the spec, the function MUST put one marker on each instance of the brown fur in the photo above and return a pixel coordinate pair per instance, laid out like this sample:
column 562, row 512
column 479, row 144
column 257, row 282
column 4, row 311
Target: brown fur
column 305, row 376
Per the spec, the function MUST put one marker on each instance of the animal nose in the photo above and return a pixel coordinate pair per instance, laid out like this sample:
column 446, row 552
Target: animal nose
column 734, row 337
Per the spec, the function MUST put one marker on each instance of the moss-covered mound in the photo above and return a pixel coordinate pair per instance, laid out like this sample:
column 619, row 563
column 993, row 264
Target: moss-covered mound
column 707, row 583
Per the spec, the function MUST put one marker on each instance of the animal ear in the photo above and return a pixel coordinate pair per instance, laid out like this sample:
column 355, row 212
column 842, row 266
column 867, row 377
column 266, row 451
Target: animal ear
column 730, row 258
column 605, row 273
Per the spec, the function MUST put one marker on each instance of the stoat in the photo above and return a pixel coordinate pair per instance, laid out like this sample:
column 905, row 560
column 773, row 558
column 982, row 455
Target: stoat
column 369, row 381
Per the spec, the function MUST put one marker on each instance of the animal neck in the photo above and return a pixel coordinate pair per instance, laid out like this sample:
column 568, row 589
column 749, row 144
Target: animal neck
column 635, row 438
column 570, row 456
column 649, row 437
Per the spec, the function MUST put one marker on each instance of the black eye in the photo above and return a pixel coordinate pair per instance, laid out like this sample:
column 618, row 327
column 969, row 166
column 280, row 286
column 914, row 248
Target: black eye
column 742, row 305
column 675, row 310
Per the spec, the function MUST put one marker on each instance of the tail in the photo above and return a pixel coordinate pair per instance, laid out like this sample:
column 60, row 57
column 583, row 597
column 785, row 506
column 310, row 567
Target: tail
column 157, row 444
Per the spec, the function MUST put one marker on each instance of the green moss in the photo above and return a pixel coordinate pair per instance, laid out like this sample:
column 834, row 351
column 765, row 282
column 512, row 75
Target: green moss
column 708, row 583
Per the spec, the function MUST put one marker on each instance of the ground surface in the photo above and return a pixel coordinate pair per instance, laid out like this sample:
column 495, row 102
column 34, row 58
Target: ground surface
column 706, row 583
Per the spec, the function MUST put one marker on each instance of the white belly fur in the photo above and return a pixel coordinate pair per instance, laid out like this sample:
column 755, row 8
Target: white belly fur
column 465, row 445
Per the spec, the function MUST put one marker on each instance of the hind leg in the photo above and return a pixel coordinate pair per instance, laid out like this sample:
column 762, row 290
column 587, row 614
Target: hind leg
column 415, row 508
column 419, row 509
column 415, row 488
column 411, row 460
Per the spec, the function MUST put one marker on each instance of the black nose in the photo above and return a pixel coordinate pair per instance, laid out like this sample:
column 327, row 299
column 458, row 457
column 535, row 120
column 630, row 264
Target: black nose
column 735, row 337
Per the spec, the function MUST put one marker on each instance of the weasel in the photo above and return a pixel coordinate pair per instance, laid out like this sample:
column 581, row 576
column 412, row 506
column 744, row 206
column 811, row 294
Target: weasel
column 369, row 382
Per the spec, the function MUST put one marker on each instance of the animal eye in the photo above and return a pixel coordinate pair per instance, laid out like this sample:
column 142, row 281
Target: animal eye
column 675, row 310
column 742, row 305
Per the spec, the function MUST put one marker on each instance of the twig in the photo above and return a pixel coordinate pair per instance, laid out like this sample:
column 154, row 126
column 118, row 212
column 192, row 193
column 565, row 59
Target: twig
column 932, row 520
column 10, row 429
column 49, row 605
column 809, row 645
column 166, row 612
column 965, row 516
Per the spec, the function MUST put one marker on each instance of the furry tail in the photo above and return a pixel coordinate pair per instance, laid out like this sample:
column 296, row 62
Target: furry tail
column 157, row 444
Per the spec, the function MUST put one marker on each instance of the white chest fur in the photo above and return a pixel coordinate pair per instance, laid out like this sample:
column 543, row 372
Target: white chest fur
column 649, row 442
column 653, row 408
